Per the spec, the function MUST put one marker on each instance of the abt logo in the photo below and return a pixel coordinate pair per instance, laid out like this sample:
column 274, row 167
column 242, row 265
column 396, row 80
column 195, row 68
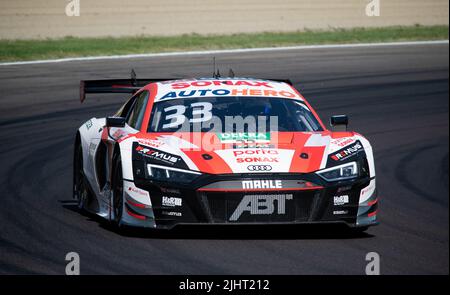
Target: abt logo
column 259, row 184
column 261, row 205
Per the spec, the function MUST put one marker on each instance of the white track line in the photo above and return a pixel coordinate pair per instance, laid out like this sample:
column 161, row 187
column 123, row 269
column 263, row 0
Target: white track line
column 165, row 54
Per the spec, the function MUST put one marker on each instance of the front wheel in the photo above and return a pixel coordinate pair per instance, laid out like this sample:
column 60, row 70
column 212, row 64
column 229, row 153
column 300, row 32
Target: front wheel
column 80, row 190
column 117, row 190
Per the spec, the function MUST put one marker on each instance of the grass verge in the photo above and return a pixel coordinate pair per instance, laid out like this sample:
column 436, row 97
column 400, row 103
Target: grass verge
column 23, row 50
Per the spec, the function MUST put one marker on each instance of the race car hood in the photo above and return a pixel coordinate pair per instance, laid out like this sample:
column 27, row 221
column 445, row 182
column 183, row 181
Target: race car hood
column 222, row 153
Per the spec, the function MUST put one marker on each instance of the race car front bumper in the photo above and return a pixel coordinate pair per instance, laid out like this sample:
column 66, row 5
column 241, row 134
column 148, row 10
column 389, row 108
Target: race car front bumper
column 221, row 199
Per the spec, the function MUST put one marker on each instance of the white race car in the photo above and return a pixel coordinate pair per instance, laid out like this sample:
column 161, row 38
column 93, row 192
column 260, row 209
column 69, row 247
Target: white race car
column 220, row 151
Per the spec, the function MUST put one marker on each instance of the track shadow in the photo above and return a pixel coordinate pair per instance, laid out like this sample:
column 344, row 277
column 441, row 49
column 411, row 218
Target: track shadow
column 72, row 206
column 244, row 232
column 230, row 232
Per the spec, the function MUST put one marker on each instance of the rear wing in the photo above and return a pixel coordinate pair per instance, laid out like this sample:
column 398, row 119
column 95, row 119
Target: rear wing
column 287, row 81
column 114, row 86
column 132, row 85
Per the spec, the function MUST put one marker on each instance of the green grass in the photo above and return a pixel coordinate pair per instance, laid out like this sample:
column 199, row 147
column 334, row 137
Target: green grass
column 22, row 50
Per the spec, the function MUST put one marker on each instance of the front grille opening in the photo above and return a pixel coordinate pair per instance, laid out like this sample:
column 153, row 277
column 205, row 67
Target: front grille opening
column 262, row 207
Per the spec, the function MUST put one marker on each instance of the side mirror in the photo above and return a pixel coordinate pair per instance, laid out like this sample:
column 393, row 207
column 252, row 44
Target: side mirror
column 118, row 122
column 339, row 122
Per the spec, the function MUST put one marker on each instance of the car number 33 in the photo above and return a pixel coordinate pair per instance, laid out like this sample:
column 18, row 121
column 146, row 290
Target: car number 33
column 201, row 112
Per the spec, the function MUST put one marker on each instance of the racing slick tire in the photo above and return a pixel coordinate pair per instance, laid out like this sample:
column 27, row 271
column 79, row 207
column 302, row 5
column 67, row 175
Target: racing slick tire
column 117, row 192
column 80, row 189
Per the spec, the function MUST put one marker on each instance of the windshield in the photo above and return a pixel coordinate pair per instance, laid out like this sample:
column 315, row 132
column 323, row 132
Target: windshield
column 232, row 114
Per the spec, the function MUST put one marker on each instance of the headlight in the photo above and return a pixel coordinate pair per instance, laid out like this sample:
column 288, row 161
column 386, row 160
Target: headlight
column 341, row 172
column 162, row 173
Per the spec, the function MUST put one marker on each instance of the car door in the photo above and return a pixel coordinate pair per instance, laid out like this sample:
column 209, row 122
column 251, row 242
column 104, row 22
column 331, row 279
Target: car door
column 133, row 111
column 101, row 148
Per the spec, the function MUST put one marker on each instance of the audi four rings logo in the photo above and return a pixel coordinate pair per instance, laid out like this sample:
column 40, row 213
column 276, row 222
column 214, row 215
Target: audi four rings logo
column 259, row 168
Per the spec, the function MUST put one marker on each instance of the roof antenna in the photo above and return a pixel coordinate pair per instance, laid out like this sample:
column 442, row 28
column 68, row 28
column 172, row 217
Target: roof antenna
column 231, row 73
column 133, row 78
column 216, row 73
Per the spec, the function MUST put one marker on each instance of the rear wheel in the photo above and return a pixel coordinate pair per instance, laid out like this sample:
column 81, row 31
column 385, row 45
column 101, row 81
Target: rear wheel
column 80, row 190
column 117, row 190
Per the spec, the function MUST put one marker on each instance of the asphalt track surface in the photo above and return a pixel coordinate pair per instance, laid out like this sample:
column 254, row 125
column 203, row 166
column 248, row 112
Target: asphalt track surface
column 397, row 96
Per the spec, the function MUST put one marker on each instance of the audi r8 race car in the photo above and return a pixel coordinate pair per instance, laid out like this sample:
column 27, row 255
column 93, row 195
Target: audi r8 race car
column 220, row 151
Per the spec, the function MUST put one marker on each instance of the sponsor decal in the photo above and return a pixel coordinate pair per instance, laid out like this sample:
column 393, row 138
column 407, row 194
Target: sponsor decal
column 88, row 124
column 244, row 137
column 257, row 160
column 344, row 189
column 118, row 134
column 261, row 205
column 256, row 156
column 136, row 195
column 262, row 184
column 253, row 146
column 196, row 93
column 92, row 148
column 170, row 191
column 204, row 83
column 255, row 152
column 227, row 92
column 154, row 143
column 259, row 168
column 364, row 191
column 367, row 192
column 340, row 200
column 342, row 142
column 158, row 155
column 223, row 88
column 171, row 201
column 137, row 191
column 340, row 212
column 347, row 152
column 239, row 159
column 172, row 213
